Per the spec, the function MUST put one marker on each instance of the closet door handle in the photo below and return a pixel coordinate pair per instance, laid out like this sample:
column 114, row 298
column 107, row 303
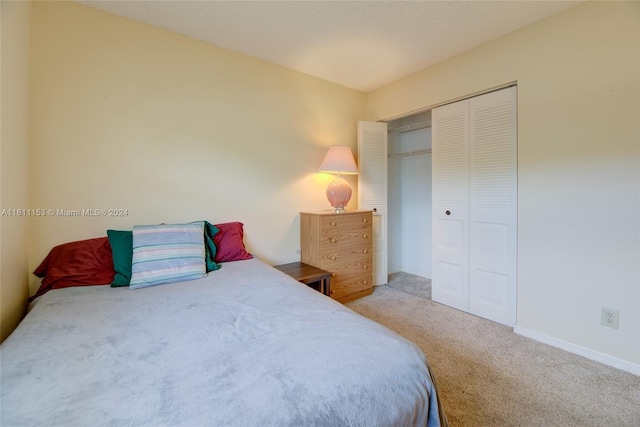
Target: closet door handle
column 448, row 213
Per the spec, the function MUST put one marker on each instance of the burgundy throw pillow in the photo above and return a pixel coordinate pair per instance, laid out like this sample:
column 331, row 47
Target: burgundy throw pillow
column 229, row 242
column 81, row 263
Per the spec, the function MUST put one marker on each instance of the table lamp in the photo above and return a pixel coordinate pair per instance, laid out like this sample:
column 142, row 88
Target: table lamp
column 339, row 160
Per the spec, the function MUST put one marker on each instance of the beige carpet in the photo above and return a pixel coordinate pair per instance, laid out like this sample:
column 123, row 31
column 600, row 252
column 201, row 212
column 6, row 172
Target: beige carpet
column 489, row 376
column 410, row 283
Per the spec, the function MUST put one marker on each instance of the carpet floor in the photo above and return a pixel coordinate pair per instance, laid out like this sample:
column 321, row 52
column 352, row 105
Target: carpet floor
column 489, row 376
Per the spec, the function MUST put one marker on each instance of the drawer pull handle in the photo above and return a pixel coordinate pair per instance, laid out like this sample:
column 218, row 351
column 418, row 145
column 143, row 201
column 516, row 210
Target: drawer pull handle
column 365, row 219
column 365, row 251
column 365, row 266
column 332, row 258
column 332, row 291
column 332, row 240
column 365, row 281
column 332, row 223
column 333, row 275
column 365, row 235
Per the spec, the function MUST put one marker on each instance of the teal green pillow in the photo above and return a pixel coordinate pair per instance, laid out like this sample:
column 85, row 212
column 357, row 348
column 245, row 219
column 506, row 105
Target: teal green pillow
column 210, row 230
column 122, row 252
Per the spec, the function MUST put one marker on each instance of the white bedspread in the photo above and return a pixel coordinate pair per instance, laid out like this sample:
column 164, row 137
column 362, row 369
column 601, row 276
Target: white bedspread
column 245, row 346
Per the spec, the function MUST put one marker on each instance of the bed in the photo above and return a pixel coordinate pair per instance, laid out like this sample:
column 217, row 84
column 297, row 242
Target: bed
column 244, row 346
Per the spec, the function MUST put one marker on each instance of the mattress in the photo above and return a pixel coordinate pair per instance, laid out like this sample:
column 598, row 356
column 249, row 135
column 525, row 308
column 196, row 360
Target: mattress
column 244, row 346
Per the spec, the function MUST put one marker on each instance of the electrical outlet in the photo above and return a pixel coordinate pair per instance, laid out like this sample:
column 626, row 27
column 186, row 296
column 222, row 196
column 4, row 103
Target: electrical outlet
column 610, row 317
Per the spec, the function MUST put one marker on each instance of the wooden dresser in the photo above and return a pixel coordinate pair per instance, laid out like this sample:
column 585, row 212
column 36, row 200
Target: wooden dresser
column 340, row 243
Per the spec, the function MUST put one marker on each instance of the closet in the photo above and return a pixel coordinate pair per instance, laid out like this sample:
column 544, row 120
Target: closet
column 447, row 194
column 394, row 181
column 475, row 205
column 409, row 195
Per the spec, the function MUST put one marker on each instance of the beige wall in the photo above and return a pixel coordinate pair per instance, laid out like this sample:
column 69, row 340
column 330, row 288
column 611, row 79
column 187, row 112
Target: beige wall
column 126, row 115
column 14, row 88
column 578, row 81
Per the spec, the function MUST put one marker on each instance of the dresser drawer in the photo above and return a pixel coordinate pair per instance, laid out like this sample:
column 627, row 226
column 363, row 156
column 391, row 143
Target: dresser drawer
column 341, row 254
column 335, row 240
column 350, row 272
column 339, row 262
column 345, row 223
column 349, row 230
column 349, row 283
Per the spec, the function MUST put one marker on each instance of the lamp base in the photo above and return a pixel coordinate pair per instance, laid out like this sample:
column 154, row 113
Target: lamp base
column 339, row 194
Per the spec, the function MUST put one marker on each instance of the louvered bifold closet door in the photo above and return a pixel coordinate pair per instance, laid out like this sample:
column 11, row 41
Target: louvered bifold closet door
column 493, row 206
column 450, row 185
column 372, row 190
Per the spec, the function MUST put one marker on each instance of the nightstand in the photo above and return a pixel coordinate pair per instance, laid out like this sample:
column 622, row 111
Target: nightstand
column 318, row 279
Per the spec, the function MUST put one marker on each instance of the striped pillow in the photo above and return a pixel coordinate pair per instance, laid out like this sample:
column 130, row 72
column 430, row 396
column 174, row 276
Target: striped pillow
column 167, row 253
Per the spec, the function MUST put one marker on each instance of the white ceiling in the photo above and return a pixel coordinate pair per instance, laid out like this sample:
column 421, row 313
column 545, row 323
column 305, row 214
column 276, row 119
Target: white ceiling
column 359, row 44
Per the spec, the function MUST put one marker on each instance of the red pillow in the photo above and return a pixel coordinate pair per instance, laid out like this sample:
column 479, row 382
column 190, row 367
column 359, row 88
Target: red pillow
column 229, row 242
column 81, row 263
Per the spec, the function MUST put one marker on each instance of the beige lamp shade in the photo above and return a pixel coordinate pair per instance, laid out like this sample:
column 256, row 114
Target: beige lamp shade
column 339, row 159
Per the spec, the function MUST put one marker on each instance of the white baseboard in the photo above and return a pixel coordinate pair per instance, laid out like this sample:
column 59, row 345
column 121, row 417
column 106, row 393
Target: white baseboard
column 606, row 359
